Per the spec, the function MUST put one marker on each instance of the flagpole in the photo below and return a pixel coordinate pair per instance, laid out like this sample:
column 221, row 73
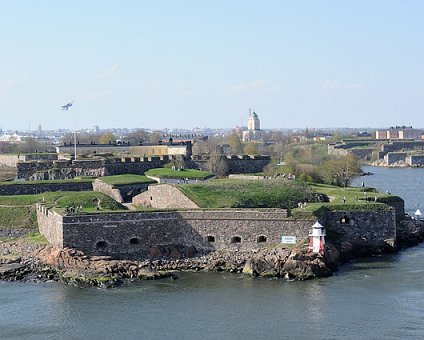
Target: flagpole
column 75, row 144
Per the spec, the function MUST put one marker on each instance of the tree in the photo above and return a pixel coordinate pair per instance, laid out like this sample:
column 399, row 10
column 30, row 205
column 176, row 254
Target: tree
column 218, row 165
column 340, row 171
column 251, row 149
column 235, row 143
column 291, row 162
column 107, row 138
column 138, row 136
column 155, row 136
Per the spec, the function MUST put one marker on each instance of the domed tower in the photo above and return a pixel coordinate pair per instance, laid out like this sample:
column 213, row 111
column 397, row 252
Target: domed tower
column 253, row 122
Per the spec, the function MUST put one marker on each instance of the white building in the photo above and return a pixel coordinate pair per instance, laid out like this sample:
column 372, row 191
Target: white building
column 253, row 132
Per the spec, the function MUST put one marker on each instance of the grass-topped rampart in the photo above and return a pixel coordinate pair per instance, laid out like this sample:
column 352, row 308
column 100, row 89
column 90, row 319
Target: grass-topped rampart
column 127, row 179
column 44, row 182
column 11, row 206
column 229, row 193
column 179, row 174
column 18, row 216
column 346, row 199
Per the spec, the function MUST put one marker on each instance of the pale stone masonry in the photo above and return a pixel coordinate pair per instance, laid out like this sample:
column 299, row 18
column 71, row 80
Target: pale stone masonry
column 164, row 196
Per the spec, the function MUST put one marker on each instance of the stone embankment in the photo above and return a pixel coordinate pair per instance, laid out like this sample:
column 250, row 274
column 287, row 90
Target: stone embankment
column 29, row 262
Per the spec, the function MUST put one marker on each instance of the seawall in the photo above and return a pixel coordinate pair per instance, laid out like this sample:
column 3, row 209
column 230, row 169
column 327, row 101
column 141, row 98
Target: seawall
column 139, row 233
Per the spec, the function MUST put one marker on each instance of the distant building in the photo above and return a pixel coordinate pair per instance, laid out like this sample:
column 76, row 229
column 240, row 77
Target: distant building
column 143, row 150
column 399, row 132
column 253, row 132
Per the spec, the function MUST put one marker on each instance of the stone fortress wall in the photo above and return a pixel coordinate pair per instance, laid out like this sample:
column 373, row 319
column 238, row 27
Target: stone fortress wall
column 164, row 196
column 62, row 169
column 392, row 152
column 24, row 188
column 123, row 234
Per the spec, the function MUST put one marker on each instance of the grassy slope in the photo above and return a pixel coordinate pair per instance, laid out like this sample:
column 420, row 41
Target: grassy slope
column 355, row 200
column 126, row 179
column 18, row 217
column 187, row 173
column 41, row 182
column 87, row 199
column 226, row 193
column 7, row 173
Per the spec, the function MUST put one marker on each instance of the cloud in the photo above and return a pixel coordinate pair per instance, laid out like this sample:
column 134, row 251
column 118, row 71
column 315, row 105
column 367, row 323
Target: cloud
column 335, row 85
column 8, row 85
column 256, row 85
column 179, row 89
column 248, row 86
column 95, row 94
column 109, row 71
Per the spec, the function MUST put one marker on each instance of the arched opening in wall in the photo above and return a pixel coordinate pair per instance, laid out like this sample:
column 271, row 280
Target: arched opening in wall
column 210, row 238
column 101, row 245
column 236, row 239
column 261, row 239
column 134, row 241
column 345, row 220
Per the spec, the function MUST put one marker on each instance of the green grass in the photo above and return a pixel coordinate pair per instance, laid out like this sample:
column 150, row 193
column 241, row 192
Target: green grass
column 187, row 173
column 7, row 173
column 36, row 238
column 126, row 179
column 19, row 211
column 18, row 217
column 57, row 181
column 353, row 195
column 229, row 193
column 86, row 199
column 355, row 200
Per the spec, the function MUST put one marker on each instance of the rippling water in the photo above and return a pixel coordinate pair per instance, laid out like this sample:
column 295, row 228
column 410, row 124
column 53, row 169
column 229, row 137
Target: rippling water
column 380, row 297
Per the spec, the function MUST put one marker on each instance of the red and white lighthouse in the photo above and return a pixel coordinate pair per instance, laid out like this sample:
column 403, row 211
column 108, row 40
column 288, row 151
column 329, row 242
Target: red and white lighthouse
column 317, row 238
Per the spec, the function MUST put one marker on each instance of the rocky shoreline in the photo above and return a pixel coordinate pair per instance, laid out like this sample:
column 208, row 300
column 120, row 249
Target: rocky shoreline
column 20, row 261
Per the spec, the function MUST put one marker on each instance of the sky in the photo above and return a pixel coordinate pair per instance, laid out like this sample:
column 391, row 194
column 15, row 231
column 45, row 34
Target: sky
column 197, row 63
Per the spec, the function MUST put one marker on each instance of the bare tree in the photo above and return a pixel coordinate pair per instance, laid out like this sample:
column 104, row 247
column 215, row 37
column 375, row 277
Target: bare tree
column 218, row 165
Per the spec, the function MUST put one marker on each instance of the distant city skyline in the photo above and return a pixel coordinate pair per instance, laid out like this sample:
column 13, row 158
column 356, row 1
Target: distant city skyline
column 187, row 64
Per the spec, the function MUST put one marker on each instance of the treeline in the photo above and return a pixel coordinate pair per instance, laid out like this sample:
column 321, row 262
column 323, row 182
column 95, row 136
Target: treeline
column 311, row 163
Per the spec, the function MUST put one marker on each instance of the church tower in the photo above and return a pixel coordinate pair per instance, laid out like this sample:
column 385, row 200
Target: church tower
column 253, row 123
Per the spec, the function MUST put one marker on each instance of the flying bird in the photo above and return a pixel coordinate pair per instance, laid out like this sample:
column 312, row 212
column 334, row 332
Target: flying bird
column 67, row 106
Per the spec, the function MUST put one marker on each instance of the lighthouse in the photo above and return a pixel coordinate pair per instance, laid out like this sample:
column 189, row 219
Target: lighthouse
column 317, row 238
column 417, row 214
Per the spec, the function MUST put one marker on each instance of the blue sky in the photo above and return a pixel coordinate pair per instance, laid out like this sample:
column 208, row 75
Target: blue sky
column 186, row 64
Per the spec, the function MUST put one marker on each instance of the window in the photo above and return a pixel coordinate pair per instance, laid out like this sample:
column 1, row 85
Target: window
column 101, row 244
column 134, row 241
column 344, row 220
column 210, row 238
column 236, row 239
column 261, row 239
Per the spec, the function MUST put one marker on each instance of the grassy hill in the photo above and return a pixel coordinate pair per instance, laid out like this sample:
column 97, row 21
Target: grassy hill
column 126, row 179
column 230, row 193
column 19, row 211
column 186, row 173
